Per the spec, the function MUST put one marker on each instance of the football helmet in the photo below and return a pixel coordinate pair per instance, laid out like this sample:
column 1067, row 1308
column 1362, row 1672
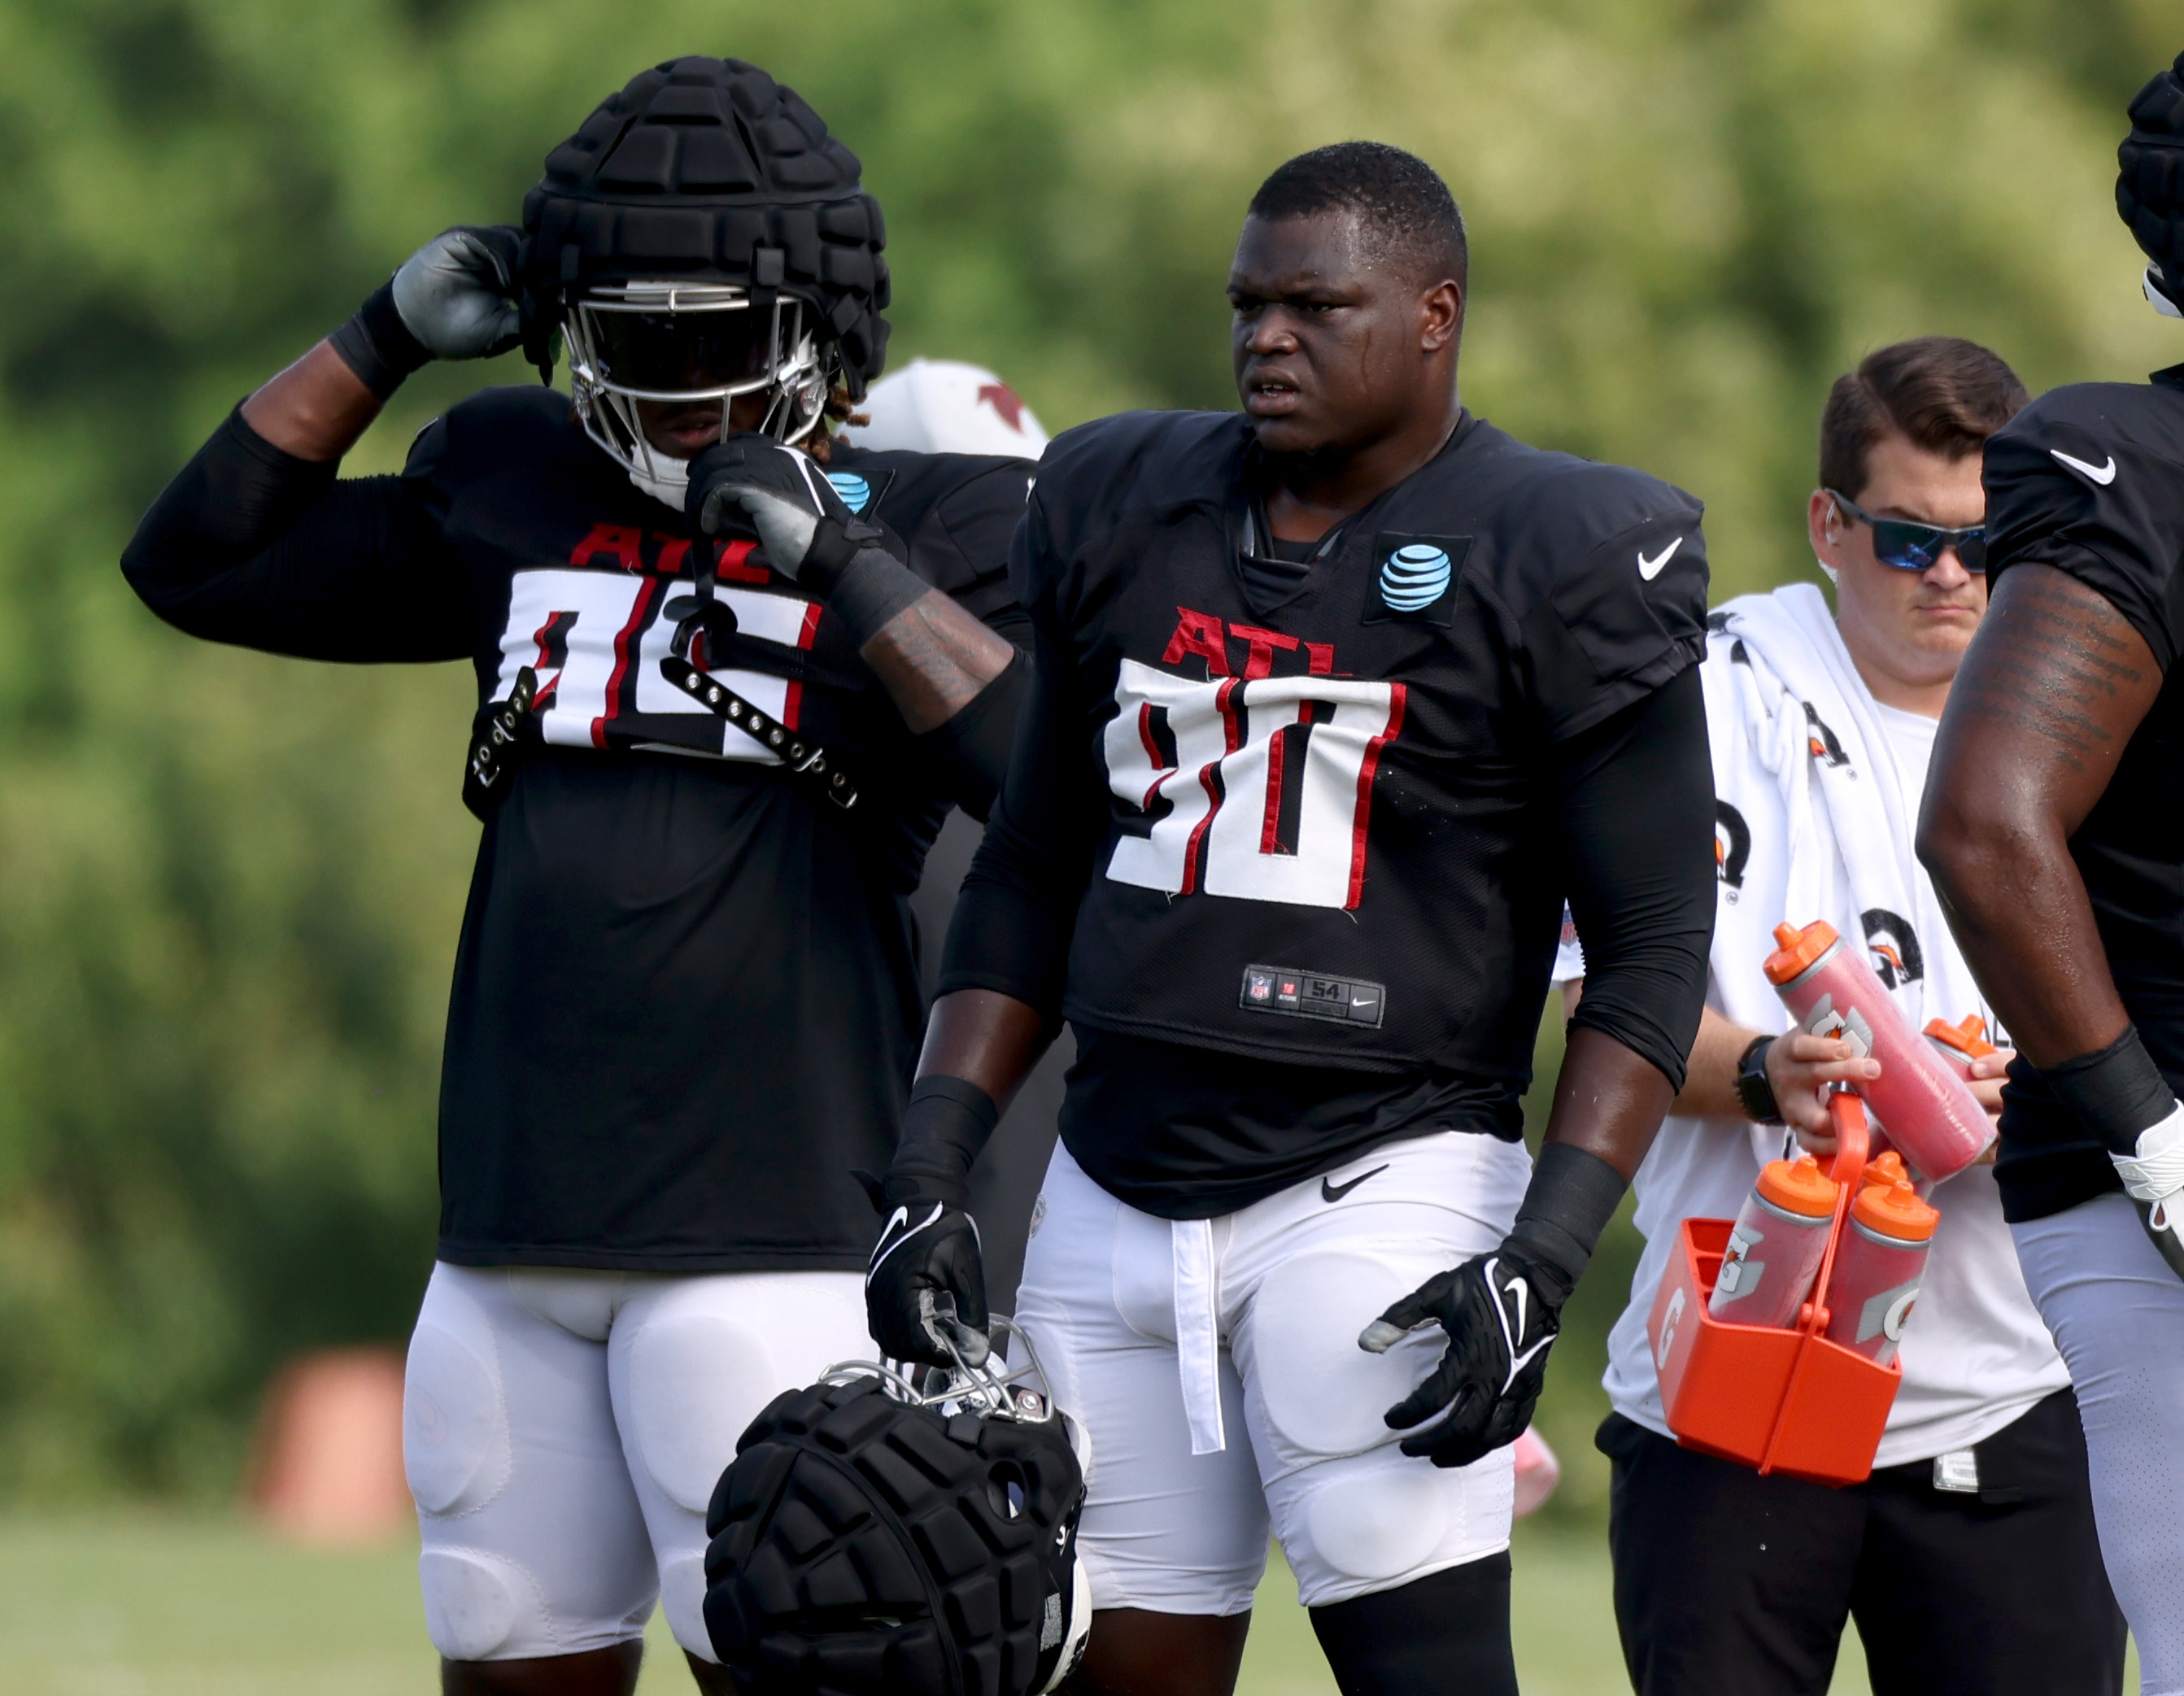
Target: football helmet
column 944, row 406
column 2150, row 186
column 701, row 238
column 877, row 1533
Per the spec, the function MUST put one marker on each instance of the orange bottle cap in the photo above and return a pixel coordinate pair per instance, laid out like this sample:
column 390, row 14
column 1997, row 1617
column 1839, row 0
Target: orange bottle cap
column 1895, row 1210
column 1885, row 1168
column 1802, row 1189
column 1798, row 949
column 1968, row 1039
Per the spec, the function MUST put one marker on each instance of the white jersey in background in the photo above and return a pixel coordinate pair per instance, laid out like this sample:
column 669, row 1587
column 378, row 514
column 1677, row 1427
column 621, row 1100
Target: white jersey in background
column 1818, row 788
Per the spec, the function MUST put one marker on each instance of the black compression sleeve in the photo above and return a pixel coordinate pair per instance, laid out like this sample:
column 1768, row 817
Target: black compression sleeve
column 946, row 1123
column 1635, row 799
column 973, row 746
column 236, row 494
column 252, row 545
column 1013, row 919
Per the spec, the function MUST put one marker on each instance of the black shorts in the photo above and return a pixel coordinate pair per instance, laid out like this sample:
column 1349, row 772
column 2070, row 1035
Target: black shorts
column 1728, row 1581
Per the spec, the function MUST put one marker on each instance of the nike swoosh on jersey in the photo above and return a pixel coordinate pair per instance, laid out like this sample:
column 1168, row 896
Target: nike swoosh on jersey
column 1330, row 1191
column 1650, row 569
column 2103, row 475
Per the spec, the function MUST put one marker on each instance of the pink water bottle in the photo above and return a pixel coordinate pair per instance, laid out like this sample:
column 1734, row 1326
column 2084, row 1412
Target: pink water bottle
column 1879, row 1267
column 1920, row 1099
column 1959, row 1045
column 1776, row 1244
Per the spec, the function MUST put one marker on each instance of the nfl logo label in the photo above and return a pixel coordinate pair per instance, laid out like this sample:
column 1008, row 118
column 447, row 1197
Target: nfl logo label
column 1262, row 987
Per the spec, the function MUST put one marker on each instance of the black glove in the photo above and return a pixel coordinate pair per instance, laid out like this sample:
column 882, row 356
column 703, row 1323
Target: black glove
column 457, row 294
column 927, row 1285
column 1501, row 1312
column 801, row 522
column 927, row 1279
column 452, row 299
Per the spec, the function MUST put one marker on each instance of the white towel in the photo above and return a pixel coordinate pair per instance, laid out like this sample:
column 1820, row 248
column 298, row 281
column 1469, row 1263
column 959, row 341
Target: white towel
column 1801, row 754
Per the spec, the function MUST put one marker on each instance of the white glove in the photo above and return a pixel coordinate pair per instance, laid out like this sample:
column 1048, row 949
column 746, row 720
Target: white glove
column 456, row 293
column 2154, row 1177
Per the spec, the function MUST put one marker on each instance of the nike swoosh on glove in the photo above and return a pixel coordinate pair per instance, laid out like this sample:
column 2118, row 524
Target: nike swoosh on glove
column 780, row 490
column 2154, row 1177
column 456, row 293
column 926, row 1287
column 1501, row 1312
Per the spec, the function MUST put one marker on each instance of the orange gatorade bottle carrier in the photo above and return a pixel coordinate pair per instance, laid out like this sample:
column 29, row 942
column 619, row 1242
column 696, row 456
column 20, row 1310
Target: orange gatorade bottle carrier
column 1779, row 1398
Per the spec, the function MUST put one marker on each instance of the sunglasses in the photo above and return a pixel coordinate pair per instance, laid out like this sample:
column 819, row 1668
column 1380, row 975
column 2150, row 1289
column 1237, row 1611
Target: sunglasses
column 1911, row 547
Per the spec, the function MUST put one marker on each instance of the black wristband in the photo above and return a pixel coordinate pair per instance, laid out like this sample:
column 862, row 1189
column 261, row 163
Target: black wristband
column 871, row 590
column 2115, row 1092
column 834, row 545
column 1753, row 1086
column 946, row 1123
column 377, row 345
column 1572, row 1197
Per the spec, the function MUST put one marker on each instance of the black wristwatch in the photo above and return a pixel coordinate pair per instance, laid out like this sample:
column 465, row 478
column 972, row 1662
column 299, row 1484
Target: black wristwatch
column 1753, row 1088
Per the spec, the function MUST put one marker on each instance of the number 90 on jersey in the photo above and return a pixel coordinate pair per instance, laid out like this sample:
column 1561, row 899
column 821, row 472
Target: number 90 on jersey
column 1258, row 788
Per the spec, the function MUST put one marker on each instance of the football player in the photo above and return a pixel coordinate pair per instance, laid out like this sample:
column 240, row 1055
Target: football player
column 1333, row 700
column 734, row 675
column 2053, row 827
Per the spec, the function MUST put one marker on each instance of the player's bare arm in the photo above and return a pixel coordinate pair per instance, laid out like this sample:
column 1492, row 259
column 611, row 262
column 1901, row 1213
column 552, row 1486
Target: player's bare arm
column 316, row 408
column 935, row 659
column 2053, row 688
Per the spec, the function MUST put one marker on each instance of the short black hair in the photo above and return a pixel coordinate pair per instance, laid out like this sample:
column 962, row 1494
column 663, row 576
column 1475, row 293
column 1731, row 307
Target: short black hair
column 1398, row 198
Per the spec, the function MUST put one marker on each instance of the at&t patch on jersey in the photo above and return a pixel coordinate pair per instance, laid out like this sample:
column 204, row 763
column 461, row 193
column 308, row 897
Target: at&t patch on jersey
column 1313, row 995
column 1417, row 578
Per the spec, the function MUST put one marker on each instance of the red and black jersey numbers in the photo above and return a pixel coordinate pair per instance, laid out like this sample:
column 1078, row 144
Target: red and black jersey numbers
column 595, row 639
column 1259, row 788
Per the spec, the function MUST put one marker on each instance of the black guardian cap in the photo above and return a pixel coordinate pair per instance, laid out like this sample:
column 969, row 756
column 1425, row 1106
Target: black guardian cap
column 702, row 236
column 2150, row 186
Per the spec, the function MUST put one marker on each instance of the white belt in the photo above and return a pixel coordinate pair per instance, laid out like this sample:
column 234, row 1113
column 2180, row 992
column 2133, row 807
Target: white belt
column 1198, row 1333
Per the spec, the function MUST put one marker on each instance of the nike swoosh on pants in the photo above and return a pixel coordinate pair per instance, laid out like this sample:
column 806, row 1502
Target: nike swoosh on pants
column 1331, row 1191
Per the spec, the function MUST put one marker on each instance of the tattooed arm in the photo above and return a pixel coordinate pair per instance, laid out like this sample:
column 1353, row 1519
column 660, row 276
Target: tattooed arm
column 2052, row 690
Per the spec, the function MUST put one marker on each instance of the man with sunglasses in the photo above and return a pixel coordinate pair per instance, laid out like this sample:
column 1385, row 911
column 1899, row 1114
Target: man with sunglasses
column 1968, row 1560
column 731, row 688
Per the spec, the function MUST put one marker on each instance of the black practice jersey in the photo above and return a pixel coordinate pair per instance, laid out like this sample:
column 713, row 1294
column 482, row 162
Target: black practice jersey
column 686, row 1002
column 2090, row 479
column 1300, row 852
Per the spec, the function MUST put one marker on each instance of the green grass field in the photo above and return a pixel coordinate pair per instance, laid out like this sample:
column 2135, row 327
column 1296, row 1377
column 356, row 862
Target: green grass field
column 136, row 1605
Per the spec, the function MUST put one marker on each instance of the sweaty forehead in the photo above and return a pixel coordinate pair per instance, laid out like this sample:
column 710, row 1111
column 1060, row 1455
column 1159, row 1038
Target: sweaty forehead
column 1279, row 256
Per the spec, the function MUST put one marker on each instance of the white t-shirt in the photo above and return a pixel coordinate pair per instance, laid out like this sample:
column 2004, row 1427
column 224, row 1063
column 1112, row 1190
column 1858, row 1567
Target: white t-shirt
column 1975, row 1354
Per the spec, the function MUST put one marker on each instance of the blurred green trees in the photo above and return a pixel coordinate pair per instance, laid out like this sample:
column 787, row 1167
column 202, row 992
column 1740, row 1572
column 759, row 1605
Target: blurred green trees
column 229, row 885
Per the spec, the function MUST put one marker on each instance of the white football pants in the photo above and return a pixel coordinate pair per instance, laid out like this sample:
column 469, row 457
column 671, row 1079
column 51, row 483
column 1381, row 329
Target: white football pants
column 563, row 1431
column 1214, row 1366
